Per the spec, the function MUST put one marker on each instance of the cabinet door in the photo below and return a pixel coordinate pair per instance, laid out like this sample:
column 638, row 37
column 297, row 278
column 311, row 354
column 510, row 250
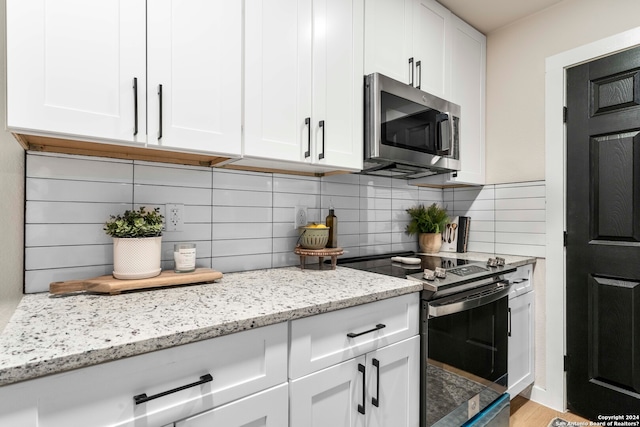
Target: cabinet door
column 194, row 75
column 337, row 115
column 388, row 38
column 393, row 384
column 71, row 66
column 521, row 349
column 329, row 397
column 468, row 71
column 277, row 108
column 265, row 409
column 432, row 47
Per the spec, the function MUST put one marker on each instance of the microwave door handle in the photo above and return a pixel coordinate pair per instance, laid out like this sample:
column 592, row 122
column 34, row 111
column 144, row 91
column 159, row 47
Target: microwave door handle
column 446, row 135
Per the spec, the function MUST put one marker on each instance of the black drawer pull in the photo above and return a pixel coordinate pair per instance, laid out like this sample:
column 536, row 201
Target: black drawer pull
column 378, row 326
column 364, row 388
column 376, row 400
column 141, row 398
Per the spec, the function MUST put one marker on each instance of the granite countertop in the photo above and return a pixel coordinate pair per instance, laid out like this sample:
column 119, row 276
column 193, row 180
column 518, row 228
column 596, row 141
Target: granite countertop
column 50, row 334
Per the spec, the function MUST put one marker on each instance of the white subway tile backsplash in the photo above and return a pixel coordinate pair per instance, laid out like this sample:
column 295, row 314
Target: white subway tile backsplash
column 537, row 227
column 235, row 214
column 244, row 220
column 294, row 199
column 228, row 264
column 298, row 185
column 241, row 198
column 56, row 190
column 172, row 176
column 164, row 194
column 240, row 180
column 44, row 212
column 47, row 257
column 79, row 169
column 39, row 280
column 64, row 235
column 521, row 215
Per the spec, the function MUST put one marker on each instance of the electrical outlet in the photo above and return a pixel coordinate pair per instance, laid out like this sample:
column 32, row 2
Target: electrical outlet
column 299, row 216
column 174, row 217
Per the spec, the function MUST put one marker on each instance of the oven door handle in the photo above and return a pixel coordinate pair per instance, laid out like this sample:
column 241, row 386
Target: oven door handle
column 439, row 310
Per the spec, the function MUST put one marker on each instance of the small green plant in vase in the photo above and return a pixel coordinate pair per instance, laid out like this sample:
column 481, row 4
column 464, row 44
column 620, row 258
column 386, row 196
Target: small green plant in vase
column 427, row 222
column 137, row 243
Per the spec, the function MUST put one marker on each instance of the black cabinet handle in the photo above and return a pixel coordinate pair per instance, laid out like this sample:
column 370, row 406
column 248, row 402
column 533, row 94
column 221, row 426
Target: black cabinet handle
column 411, row 71
column 135, row 106
column 307, row 122
column 376, row 400
column 321, row 155
column 142, row 398
column 362, row 369
column 378, row 326
column 419, row 73
column 159, row 112
column 509, row 333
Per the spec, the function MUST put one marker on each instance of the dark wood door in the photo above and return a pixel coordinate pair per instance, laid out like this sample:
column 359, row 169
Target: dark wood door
column 603, row 240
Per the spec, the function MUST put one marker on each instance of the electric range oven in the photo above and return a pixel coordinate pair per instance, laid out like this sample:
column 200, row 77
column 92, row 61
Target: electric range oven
column 464, row 329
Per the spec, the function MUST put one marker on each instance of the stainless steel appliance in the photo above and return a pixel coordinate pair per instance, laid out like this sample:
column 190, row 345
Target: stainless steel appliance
column 464, row 333
column 408, row 133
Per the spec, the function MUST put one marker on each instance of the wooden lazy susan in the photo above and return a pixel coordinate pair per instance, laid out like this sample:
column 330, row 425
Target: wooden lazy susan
column 320, row 253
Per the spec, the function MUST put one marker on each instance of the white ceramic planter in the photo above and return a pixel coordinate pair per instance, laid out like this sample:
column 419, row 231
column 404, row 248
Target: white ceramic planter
column 136, row 258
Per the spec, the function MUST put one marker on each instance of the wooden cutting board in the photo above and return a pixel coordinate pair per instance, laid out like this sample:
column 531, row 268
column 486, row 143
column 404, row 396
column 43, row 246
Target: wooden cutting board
column 110, row 285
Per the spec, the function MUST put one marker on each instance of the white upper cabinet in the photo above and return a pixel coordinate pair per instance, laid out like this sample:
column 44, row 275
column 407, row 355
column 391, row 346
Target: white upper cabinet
column 408, row 40
column 195, row 75
column 432, row 47
column 71, row 67
column 277, row 106
column 94, row 70
column 389, row 38
column 468, row 76
column 304, row 82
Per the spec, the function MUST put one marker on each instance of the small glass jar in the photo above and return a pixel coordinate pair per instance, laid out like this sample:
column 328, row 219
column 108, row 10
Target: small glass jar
column 184, row 255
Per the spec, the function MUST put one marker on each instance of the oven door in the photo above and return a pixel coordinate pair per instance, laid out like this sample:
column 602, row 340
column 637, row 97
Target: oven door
column 466, row 364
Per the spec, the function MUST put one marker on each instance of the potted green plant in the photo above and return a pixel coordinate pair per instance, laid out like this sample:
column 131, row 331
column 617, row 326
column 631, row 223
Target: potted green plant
column 428, row 223
column 137, row 243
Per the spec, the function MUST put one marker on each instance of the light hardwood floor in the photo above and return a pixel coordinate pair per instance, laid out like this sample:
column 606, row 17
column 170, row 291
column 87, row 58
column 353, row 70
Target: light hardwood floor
column 525, row 413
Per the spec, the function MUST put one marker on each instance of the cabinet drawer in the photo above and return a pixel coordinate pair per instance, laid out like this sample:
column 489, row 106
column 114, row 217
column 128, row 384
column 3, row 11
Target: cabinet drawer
column 103, row 395
column 326, row 339
column 521, row 280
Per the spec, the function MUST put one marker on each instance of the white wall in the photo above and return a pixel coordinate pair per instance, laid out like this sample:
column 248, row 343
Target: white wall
column 516, row 78
column 12, row 212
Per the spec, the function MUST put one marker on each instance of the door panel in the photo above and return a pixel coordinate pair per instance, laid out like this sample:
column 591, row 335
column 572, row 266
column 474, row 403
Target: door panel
column 603, row 242
column 195, row 52
column 72, row 72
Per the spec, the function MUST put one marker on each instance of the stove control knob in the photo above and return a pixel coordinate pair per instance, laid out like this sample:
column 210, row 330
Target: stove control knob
column 429, row 274
column 491, row 262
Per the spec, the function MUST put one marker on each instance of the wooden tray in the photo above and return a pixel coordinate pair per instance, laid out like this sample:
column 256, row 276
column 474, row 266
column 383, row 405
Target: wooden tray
column 110, row 285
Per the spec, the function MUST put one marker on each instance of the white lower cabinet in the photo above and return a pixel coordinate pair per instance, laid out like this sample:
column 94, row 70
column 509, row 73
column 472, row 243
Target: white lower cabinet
column 381, row 388
column 240, row 365
column 265, row 409
column 521, row 330
column 357, row 367
column 521, row 349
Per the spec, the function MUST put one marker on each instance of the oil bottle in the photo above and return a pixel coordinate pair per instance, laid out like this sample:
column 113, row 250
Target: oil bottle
column 332, row 223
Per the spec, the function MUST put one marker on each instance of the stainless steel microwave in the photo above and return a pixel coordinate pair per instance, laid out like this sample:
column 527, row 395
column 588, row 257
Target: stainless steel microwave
column 408, row 133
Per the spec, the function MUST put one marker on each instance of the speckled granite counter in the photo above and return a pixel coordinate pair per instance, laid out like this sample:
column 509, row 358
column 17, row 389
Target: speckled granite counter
column 49, row 334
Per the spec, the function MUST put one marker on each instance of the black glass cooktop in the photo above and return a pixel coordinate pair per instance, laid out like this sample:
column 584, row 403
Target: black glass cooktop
column 382, row 264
